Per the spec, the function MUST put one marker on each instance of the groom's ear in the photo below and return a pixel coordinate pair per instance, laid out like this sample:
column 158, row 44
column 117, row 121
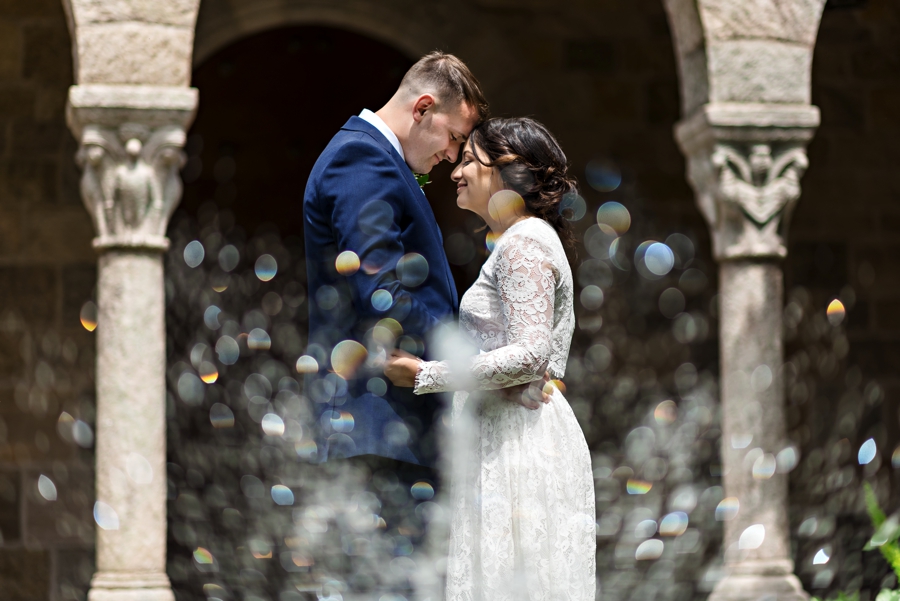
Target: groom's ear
column 424, row 103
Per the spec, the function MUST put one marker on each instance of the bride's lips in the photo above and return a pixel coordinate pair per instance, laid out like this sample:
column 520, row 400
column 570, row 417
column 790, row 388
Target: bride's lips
column 459, row 187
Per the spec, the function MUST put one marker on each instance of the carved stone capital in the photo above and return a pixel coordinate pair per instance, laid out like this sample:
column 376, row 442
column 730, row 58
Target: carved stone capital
column 130, row 154
column 745, row 162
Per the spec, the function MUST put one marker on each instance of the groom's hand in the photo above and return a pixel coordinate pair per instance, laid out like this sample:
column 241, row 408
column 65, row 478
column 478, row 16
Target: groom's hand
column 530, row 395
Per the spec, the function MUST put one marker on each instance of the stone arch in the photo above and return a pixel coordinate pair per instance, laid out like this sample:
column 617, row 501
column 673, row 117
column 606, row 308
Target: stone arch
column 220, row 25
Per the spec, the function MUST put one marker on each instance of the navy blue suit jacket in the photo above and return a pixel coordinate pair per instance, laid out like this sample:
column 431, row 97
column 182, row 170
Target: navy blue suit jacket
column 362, row 197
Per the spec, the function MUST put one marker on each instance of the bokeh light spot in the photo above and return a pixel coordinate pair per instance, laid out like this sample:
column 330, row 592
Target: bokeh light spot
column 752, row 537
column 88, row 316
column 258, row 340
column 382, row 300
column 638, row 487
column 659, row 259
column 673, row 524
column 615, row 216
column 227, row 350
column 46, row 488
column 346, row 357
column 602, row 175
column 194, row 254
column 665, row 413
column 272, row 425
column 867, row 452
column 229, row 257
column 347, row 263
column 422, row 491
column 412, row 269
column 835, row 312
column 208, row 372
column 307, row 365
column 282, row 495
column 572, row 206
column 649, row 550
column 221, row 416
column 727, row 509
column 266, row 267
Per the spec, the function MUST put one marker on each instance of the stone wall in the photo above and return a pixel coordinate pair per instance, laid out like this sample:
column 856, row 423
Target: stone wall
column 46, row 274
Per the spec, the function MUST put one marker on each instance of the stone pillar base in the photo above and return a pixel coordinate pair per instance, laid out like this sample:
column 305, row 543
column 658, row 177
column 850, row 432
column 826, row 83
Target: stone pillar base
column 130, row 586
column 760, row 581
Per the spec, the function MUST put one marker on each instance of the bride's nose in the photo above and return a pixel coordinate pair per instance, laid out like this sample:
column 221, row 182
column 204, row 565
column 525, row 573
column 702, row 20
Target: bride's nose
column 457, row 173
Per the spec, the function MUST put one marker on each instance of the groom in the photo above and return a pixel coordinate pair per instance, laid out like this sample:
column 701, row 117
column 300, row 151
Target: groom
column 374, row 252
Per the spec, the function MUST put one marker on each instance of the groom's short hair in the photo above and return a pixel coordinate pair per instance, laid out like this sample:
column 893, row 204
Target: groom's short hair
column 449, row 79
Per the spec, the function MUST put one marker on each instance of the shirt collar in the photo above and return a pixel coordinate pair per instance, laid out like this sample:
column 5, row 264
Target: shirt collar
column 379, row 124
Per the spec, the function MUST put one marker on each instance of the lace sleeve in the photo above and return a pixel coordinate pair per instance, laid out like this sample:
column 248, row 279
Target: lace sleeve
column 526, row 283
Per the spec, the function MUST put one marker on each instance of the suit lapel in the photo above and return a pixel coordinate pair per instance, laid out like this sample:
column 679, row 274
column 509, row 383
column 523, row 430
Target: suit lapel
column 357, row 124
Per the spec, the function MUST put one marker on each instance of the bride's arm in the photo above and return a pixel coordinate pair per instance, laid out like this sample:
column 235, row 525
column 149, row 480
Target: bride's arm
column 526, row 283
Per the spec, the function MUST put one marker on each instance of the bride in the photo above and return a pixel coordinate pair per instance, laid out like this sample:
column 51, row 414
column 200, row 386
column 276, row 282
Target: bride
column 522, row 498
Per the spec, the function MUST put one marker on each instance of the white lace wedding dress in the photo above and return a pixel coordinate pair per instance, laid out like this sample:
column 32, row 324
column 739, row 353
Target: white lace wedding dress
column 522, row 515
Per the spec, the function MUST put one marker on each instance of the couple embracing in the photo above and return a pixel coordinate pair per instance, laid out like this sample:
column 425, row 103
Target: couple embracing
column 521, row 509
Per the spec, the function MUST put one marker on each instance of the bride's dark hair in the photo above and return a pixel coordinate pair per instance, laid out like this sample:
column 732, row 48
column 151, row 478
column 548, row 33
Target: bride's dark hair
column 532, row 164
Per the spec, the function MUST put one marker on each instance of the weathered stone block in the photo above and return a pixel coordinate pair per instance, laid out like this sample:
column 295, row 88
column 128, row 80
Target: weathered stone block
column 25, row 574
column 48, row 52
column 795, row 20
column 684, row 22
column 135, row 53
column 170, row 12
column 59, row 234
column 66, row 520
column 759, row 71
column 10, row 54
column 30, row 292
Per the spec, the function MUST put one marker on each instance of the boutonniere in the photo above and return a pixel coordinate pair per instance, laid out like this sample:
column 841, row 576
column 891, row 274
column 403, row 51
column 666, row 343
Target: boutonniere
column 421, row 179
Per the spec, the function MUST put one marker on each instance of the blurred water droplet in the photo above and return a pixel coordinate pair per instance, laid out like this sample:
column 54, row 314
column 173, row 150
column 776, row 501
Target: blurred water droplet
column 752, row 537
column 659, row 259
column 88, row 316
column 258, row 340
column 202, row 556
column 572, row 206
column 602, row 175
column 346, row 357
column 764, row 467
column 307, row 365
column 229, row 257
column 208, row 372
column 266, row 267
column 382, row 300
column 211, row 317
column 82, row 434
column 194, row 254
column 674, row 524
column 228, row 350
column 221, row 416
column 592, row 297
column 412, row 270
column 727, row 509
column 786, row 460
column 835, row 312
column 867, row 452
column 614, row 215
column 665, row 413
column 138, row 469
column 422, row 491
column 347, row 263
column 821, row 558
column 105, row 516
column 649, row 550
column 272, row 425
column 282, row 495
column 46, row 488
column 638, row 487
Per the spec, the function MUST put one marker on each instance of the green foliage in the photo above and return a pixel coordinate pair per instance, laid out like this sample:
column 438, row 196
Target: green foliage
column 887, row 531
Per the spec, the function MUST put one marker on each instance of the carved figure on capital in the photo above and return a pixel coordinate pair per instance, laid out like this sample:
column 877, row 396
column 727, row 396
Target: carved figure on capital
column 131, row 183
column 747, row 193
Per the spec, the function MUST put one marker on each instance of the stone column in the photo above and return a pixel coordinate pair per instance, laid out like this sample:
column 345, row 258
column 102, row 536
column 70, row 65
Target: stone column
column 745, row 162
column 130, row 153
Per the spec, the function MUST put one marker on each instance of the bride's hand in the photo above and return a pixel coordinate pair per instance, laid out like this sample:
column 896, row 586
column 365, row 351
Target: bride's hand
column 401, row 368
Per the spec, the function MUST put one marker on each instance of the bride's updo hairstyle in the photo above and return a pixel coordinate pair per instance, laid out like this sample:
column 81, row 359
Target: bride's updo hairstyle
column 532, row 164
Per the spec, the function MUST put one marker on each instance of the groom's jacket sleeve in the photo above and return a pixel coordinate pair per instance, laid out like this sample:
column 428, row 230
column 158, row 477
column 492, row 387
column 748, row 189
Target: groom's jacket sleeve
column 369, row 202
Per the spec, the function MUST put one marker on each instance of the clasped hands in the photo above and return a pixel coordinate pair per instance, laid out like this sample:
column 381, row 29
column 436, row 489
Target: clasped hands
column 401, row 368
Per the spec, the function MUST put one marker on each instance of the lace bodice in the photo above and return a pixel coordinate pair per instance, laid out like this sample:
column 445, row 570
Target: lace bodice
column 518, row 313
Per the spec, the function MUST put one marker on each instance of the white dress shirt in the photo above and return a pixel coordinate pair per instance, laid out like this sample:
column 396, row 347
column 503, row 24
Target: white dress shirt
column 381, row 126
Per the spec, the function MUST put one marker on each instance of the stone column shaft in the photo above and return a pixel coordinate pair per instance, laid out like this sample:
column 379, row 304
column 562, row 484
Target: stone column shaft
column 745, row 162
column 130, row 153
